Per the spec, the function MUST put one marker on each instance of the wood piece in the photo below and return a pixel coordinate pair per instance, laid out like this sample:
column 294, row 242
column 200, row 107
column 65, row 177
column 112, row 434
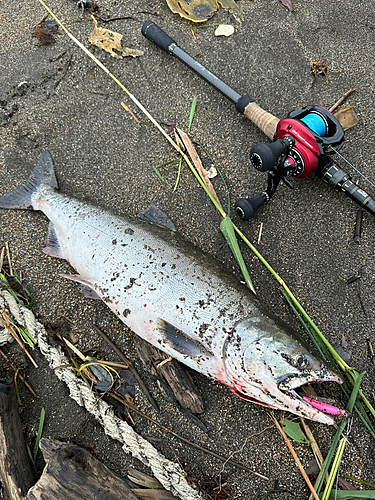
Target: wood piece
column 15, row 470
column 174, row 374
column 147, row 494
column 72, row 473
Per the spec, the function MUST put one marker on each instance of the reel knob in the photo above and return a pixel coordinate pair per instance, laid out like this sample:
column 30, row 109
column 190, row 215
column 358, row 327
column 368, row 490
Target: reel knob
column 264, row 156
column 246, row 207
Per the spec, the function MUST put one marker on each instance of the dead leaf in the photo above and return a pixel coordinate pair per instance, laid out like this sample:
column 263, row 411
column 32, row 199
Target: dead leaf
column 132, row 52
column 43, row 34
column 110, row 41
column 106, row 39
column 288, row 4
column 200, row 10
column 347, row 117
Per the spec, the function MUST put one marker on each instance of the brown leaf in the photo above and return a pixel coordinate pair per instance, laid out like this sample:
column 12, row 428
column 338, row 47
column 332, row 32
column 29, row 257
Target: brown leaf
column 44, row 36
column 200, row 10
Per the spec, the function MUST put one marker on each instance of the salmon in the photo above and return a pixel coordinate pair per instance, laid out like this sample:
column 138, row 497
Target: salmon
column 177, row 297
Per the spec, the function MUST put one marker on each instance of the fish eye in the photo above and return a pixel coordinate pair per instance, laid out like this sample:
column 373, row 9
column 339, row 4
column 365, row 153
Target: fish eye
column 301, row 361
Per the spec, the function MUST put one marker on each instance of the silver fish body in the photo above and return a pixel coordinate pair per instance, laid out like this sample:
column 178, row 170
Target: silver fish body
column 176, row 297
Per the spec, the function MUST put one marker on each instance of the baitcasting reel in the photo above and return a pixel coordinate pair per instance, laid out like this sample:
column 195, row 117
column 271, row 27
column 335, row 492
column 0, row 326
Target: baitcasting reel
column 305, row 140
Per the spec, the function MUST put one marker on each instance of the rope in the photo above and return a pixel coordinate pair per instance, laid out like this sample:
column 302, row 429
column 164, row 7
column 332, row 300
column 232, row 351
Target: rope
column 170, row 475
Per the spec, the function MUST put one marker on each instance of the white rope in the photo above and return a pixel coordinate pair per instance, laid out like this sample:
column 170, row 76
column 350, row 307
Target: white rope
column 171, row 475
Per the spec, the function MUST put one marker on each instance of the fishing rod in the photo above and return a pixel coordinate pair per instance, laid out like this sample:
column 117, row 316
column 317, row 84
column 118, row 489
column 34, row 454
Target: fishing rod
column 303, row 142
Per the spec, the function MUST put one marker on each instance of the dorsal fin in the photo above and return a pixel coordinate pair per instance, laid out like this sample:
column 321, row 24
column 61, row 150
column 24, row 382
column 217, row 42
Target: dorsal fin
column 156, row 216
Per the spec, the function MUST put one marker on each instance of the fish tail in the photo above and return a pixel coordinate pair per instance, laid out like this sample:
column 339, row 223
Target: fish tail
column 43, row 174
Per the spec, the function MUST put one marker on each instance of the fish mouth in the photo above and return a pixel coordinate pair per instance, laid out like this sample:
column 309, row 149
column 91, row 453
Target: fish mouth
column 293, row 385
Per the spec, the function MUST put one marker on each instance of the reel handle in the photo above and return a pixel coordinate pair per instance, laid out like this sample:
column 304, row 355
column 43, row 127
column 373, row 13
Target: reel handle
column 264, row 156
column 246, row 207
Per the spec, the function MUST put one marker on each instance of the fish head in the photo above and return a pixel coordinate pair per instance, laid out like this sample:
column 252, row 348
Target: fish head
column 267, row 364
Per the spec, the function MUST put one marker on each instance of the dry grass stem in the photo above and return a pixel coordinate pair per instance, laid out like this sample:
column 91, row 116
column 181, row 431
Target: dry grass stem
column 296, row 459
column 7, row 322
column 2, row 258
column 164, row 362
column 241, row 448
column 9, row 261
column 130, row 112
column 260, row 232
column 198, row 165
column 314, row 446
column 114, row 364
column 342, row 99
column 17, row 371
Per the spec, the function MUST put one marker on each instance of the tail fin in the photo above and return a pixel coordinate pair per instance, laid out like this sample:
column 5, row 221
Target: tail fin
column 43, row 173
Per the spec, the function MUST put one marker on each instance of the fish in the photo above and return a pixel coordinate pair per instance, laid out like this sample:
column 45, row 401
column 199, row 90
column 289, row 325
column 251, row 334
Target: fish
column 178, row 298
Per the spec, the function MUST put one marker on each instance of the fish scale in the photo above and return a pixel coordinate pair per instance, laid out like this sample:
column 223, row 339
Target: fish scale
column 177, row 297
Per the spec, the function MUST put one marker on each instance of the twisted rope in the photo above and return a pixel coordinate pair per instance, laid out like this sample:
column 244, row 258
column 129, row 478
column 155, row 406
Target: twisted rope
column 170, row 475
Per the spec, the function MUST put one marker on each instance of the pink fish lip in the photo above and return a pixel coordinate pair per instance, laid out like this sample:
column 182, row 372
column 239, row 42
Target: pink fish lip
column 290, row 383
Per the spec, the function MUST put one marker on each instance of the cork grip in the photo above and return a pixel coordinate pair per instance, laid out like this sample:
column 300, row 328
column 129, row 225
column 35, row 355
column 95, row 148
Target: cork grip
column 265, row 121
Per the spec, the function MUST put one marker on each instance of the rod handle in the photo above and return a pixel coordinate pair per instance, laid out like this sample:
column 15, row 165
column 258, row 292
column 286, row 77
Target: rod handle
column 151, row 31
column 262, row 119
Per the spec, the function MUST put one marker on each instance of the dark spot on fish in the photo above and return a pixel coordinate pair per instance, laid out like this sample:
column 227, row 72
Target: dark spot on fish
column 114, row 242
column 144, row 305
column 182, row 299
column 124, row 244
column 202, row 329
column 201, row 303
column 177, row 306
column 163, row 264
column 173, row 266
column 126, row 312
column 128, row 231
column 132, row 281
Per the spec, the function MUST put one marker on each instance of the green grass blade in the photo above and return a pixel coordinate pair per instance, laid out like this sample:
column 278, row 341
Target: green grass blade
column 39, row 435
column 27, row 337
column 347, row 495
column 335, row 468
column 356, row 480
column 192, row 111
column 226, row 227
column 158, row 174
column 340, row 430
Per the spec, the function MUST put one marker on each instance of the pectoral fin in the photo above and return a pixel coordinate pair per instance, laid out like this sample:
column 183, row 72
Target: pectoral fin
column 87, row 288
column 180, row 342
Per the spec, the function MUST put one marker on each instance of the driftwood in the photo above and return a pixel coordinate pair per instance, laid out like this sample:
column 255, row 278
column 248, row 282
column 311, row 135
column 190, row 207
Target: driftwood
column 15, row 470
column 171, row 372
column 72, row 473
